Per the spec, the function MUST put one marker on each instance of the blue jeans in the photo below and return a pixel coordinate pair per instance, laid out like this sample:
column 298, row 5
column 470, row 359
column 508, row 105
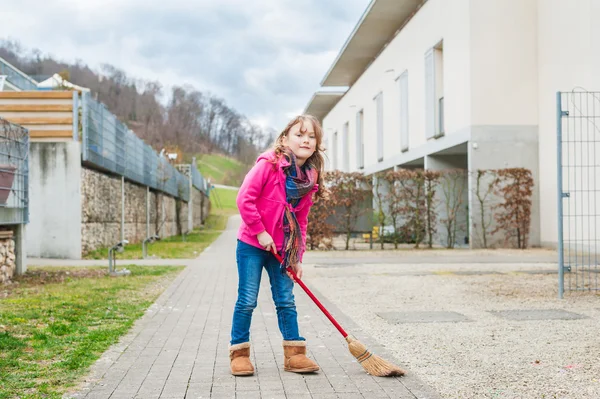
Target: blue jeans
column 250, row 261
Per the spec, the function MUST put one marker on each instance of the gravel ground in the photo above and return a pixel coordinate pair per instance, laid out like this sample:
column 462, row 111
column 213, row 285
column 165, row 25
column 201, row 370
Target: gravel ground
column 488, row 356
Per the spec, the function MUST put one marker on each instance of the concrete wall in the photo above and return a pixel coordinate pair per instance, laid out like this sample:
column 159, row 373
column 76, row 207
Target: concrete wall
column 497, row 147
column 54, row 230
column 452, row 192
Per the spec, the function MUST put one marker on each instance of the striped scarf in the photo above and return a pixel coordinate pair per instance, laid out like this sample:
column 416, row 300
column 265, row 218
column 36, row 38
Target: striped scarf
column 298, row 183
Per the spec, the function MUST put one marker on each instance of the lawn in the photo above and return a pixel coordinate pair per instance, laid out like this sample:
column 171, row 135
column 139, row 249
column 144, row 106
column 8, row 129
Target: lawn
column 223, row 201
column 221, row 169
column 56, row 322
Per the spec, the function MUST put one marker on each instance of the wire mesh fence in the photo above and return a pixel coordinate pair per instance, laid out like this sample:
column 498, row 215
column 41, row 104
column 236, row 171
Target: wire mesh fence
column 14, row 173
column 191, row 172
column 108, row 144
column 198, row 181
column 578, row 140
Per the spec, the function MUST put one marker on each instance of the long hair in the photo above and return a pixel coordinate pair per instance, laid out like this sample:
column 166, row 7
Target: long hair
column 315, row 161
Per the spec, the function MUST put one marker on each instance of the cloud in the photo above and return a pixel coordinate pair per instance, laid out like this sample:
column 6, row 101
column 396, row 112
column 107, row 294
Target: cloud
column 264, row 57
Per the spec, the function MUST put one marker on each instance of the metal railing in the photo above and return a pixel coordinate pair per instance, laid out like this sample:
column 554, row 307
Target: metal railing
column 14, row 173
column 110, row 145
column 16, row 77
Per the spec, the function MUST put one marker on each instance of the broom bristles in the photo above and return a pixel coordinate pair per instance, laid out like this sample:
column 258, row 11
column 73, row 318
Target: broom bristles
column 372, row 363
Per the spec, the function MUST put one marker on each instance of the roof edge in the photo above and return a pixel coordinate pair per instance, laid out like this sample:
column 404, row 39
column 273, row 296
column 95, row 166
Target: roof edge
column 348, row 40
column 376, row 51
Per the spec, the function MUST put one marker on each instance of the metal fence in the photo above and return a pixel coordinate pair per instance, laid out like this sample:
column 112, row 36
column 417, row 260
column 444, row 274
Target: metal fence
column 109, row 144
column 198, row 181
column 191, row 172
column 14, row 174
column 578, row 156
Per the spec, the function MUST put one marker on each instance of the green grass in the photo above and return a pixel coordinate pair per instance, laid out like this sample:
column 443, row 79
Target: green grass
column 221, row 169
column 56, row 322
column 223, row 200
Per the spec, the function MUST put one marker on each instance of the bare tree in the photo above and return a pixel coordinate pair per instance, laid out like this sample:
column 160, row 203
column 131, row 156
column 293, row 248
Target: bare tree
column 431, row 179
column 514, row 216
column 348, row 192
column 318, row 231
column 380, row 199
column 453, row 188
column 486, row 181
column 395, row 199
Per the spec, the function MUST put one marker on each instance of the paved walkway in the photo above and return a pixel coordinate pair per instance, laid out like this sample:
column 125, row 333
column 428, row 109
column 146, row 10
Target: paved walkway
column 179, row 349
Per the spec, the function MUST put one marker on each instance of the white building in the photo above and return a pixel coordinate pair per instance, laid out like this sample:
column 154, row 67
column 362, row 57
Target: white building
column 56, row 82
column 460, row 84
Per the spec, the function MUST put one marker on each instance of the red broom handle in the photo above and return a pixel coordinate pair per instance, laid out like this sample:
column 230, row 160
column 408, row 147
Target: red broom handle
column 313, row 297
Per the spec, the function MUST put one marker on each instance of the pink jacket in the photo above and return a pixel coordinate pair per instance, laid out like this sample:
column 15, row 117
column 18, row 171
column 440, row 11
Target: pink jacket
column 262, row 201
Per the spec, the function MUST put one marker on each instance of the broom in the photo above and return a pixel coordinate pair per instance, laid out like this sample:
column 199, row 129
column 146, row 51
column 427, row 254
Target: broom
column 372, row 363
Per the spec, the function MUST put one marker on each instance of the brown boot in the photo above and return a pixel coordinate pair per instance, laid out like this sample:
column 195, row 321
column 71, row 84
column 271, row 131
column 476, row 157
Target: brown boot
column 240, row 359
column 295, row 359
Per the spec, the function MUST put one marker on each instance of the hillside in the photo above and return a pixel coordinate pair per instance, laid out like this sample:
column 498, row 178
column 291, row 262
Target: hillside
column 190, row 120
column 222, row 169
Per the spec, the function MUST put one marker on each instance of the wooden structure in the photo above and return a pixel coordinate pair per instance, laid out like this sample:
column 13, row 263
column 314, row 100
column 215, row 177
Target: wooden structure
column 48, row 115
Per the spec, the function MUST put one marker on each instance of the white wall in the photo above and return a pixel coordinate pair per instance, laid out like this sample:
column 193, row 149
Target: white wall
column 503, row 62
column 569, row 59
column 436, row 20
column 54, row 230
column 504, row 95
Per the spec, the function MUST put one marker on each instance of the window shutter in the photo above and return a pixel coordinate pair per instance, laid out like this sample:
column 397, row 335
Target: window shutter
column 403, row 85
column 379, row 107
column 429, row 94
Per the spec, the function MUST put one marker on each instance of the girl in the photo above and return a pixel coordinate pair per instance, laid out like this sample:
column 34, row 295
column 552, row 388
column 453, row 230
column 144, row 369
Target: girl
column 274, row 202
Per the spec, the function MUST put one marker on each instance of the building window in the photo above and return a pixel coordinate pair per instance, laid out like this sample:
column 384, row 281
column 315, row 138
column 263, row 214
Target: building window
column 345, row 149
column 403, row 88
column 379, row 112
column 360, row 141
column 434, row 91
column 334, row 152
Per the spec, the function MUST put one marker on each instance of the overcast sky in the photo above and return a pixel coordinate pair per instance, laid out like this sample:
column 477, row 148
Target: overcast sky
column 264, row 57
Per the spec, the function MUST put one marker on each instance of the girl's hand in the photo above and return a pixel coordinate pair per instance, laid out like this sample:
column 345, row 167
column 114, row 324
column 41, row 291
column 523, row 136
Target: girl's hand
column 266, row 241
column 297, row 270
